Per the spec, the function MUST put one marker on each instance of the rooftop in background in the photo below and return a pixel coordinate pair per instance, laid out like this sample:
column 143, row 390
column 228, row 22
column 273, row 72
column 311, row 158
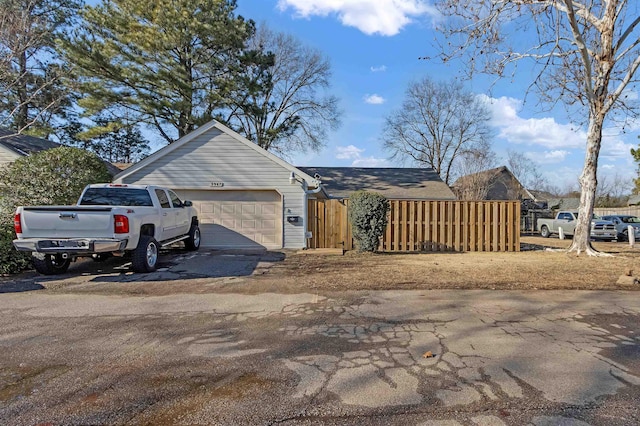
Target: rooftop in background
column 24, row 144
column 393, row 183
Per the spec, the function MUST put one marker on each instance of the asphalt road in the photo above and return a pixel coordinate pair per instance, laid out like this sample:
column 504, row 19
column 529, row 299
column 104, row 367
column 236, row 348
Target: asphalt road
column 391, row 357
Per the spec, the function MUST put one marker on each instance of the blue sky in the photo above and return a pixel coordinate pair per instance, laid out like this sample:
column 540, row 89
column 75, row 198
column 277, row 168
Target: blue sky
column 374, row 46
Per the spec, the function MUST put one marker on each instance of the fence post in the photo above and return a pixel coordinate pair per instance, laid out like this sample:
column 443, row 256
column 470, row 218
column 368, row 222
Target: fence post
column 631, row 232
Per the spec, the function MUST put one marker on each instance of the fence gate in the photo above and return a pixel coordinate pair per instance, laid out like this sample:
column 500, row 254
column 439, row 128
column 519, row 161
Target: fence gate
column 424, row 225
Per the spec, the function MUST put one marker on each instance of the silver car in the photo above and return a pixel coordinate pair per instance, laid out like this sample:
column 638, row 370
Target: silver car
column 622, row 223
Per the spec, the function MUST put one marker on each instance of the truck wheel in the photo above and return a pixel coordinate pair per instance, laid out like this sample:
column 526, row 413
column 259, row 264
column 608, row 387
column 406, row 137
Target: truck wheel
column 145, row 256
column 193, row 242
column 544, row 231
column 50, row 264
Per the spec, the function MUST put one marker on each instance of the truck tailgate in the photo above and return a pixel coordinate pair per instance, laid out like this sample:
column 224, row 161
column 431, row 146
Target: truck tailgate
column 66, row 222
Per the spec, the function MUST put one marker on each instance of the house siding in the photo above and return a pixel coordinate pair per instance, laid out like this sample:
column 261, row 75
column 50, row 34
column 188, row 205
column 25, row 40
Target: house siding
column 7, row 156
column 217, row 158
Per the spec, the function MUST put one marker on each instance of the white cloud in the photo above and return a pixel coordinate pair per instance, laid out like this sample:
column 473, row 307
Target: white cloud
column 563, row 178
column 381, row 68
column 548, row 157
column 374, row 99
column 614, row 148
column 348, row 152
column 370, row 162
column 384, row 17
column 532, row 131
column 354, row 153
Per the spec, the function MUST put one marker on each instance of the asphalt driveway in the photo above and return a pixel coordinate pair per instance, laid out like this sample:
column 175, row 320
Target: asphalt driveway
column 177, row 266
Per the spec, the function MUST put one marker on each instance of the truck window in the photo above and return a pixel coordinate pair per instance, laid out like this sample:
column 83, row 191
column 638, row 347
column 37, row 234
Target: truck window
column 174, row 199
column 162, row 197
column 116, row 197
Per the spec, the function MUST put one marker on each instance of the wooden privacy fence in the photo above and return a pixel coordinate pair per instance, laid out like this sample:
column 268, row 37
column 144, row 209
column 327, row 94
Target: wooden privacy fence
column 424, row 225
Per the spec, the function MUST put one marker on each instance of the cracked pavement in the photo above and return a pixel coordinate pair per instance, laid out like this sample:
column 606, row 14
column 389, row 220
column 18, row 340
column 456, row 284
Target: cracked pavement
column 496, row 358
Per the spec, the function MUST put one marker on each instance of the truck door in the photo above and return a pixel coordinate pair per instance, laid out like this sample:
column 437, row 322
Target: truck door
column 183, row 221
column 567, row 223
column 168, row 217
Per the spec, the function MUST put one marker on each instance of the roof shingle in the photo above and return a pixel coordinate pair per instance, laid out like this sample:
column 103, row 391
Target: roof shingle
column 393, row 183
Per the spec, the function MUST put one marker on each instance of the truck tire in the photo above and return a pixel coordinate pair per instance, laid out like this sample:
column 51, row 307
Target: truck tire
column 193, row 242
column 50, row 264
column 544, row 231
column 145, row 257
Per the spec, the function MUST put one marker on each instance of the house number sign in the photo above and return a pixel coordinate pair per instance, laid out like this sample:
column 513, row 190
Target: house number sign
column 217, row 184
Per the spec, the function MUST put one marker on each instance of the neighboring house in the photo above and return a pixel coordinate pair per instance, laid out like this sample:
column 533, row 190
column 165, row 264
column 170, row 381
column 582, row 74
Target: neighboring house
column 392, row 183
column 13, row 146
column 245, row 196
column 493, row 184
column 634, row 200
column 563, row 203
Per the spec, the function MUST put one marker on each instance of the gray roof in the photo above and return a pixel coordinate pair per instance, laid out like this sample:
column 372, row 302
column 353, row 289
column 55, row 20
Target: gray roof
column 24, row 144
column 393, row 183
column 634, row 200
column 564, row 203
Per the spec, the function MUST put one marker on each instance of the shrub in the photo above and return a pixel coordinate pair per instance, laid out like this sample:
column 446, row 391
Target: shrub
column 53, row 177
column 368, row 217
column 11, row 260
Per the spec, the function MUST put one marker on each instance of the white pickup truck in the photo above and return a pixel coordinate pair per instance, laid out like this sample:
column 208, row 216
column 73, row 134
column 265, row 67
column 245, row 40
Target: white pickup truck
column 109, row 219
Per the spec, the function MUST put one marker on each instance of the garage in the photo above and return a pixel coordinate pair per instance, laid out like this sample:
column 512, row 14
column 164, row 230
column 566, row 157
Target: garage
column 238, row 219
column 246, row 197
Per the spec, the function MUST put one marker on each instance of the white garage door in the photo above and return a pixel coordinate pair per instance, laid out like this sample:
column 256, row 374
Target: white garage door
column 238, row 219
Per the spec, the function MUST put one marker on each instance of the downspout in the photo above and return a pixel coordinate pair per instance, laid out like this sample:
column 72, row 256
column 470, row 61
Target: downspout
column 305, row 212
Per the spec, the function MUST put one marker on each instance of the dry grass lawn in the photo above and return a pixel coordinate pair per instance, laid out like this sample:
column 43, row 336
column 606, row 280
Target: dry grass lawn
column 531, row 269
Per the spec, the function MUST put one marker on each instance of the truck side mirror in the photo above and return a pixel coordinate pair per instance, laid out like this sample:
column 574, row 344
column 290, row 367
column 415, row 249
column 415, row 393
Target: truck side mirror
column 187, row 203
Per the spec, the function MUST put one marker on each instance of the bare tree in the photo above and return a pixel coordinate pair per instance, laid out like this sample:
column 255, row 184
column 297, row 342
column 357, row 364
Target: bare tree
column 295, row 112
column 585, row 52
column 474, row 182
column 613, row 190
column 437, row 122
column 525, row 170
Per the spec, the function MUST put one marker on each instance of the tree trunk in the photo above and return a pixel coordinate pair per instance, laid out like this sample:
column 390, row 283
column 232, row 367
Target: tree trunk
column 22, row 116
column 588, row 183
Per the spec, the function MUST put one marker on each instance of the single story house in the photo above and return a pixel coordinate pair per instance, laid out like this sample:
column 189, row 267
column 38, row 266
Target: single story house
column 246, row 197
column 570, row 203
column 392, row 183
column 14, row 146
column 493, row 184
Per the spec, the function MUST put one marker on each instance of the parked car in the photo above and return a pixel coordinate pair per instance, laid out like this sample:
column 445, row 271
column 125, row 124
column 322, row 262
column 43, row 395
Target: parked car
column 567, row 220
column 622, row 223
column 109, row 219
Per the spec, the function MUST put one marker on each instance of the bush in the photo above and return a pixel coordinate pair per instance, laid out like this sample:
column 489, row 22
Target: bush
column 12, row 261
column 368, row 217
column 53, row 177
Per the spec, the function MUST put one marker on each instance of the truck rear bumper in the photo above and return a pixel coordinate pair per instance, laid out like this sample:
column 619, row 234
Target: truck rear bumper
column 77, row 246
